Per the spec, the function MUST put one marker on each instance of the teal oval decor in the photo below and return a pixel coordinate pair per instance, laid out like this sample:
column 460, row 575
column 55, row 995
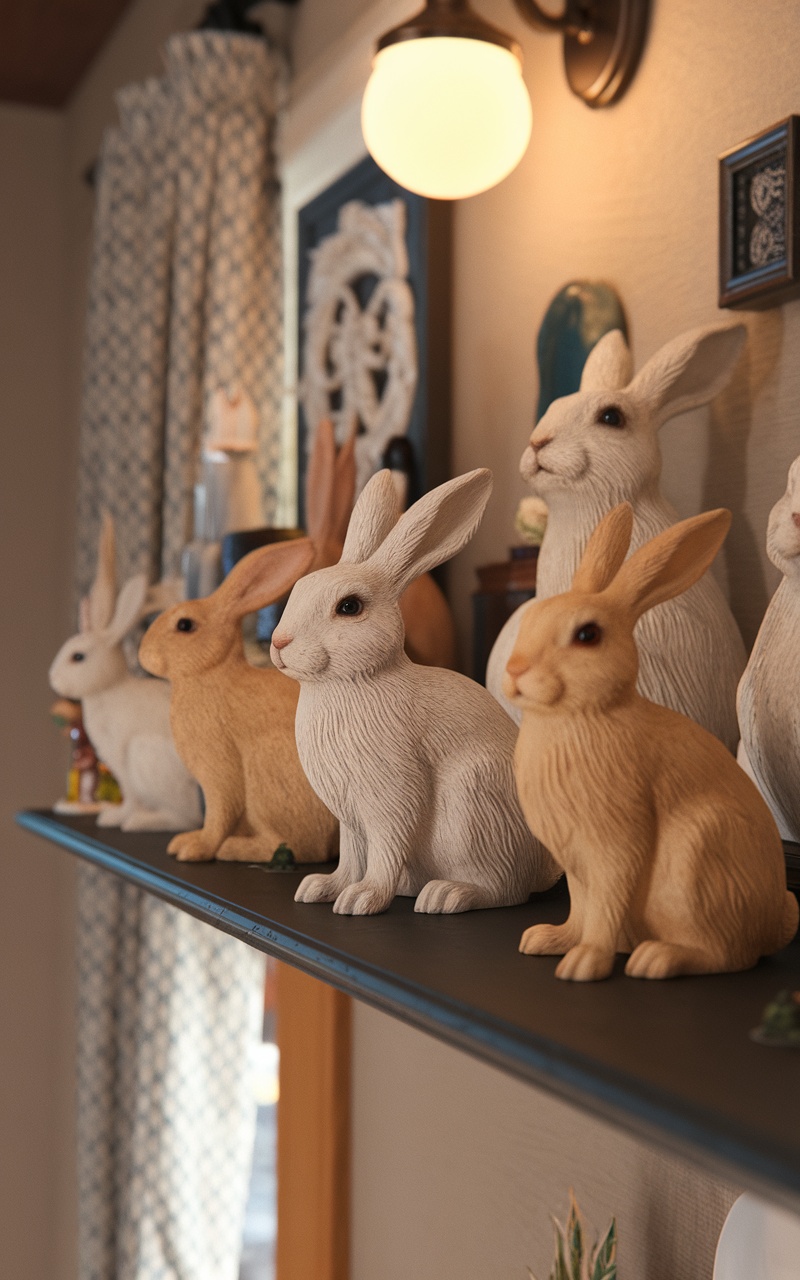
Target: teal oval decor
column 575, row 321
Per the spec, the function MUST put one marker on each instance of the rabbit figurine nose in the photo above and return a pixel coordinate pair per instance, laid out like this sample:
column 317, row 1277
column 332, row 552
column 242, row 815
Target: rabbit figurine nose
column 517, row 665
column 540, row 442
column 277, row 643
column 796, row 518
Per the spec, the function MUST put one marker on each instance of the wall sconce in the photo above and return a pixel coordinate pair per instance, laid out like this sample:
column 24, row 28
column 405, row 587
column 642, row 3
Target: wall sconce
column 446, row 112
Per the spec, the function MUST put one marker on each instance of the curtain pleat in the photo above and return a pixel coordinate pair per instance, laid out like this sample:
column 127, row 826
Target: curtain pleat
column 185, row 296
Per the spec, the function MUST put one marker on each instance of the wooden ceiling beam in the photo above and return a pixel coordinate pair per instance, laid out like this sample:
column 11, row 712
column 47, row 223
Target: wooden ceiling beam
column 47, row 45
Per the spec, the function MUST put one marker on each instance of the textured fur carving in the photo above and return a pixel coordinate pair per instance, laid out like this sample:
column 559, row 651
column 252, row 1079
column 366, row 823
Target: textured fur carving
column 234, row 723
column 330, row 488
column 691, row 653
column 415, row 761
column 769, row 693
column 670, row 852
column 126, row 717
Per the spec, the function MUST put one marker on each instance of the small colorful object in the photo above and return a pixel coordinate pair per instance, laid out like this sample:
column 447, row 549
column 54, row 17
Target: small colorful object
column 780, row 1025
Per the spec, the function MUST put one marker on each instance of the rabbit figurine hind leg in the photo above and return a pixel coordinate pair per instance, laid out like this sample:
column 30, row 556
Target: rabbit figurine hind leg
column 150, row 820
column 113, row 815
column 447, row 897
column 249, row 848
column 656, row 959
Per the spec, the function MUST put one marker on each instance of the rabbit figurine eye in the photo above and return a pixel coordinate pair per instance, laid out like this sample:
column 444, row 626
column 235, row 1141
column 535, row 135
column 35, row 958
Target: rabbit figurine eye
column 589, row 633
column 350, row 607
column 611, row 416
column 78, row 657
column 185, row 624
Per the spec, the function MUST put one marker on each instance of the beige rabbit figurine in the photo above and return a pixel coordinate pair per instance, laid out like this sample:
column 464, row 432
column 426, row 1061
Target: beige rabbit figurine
column 770, row 688
column 330, row 491
column 670, row 852
column 599, row 447
column 126, row 717
column 233, row 723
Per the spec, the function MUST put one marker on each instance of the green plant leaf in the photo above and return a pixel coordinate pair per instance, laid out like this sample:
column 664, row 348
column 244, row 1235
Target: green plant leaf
column 604, row 1262
column 559, row 1271
column 574, row 1239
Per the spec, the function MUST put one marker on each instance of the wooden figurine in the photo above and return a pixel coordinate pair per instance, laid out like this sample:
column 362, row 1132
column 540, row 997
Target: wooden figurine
column 416, row 761
column 670, row 852
column 330, row 489
column 600, row 447
column 126, row 717
column 769, row 690
column 234, row 723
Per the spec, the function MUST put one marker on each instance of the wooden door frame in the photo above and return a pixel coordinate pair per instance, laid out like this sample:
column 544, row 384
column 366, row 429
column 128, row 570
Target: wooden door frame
column 314, row 1037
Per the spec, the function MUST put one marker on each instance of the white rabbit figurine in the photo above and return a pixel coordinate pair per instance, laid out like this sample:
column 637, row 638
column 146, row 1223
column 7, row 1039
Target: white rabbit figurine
column 599, row 447
column 416, row 762
column 769, row 692
column 670, row 852
column 126, row 717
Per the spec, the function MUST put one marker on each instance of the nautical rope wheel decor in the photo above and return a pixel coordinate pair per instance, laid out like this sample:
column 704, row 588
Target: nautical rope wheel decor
column 360, row 366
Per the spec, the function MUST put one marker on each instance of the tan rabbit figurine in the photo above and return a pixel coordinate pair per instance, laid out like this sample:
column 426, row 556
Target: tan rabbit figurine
column 670, row 852
column 233, row 723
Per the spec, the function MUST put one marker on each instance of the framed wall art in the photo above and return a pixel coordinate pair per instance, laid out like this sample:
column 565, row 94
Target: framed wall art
column 759, row 231
column 374, row 291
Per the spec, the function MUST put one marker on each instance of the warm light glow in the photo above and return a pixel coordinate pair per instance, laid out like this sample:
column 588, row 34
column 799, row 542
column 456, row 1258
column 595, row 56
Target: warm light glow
column 446, row 117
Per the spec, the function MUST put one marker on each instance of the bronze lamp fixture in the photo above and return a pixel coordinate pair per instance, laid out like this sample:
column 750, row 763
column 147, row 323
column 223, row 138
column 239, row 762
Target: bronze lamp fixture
column 446, row 112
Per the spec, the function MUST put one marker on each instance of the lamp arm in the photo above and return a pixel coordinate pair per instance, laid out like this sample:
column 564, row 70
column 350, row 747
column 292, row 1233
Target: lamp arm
column 575, row 19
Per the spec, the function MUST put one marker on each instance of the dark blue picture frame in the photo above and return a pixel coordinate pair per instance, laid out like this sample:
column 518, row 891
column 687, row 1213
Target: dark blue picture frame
column 429, row 243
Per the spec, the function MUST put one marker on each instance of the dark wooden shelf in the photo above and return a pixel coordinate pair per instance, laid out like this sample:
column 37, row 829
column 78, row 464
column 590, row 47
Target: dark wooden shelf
column 668, row 1061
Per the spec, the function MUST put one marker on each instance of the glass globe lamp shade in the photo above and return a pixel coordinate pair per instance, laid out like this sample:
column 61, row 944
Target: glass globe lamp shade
column 445, row 116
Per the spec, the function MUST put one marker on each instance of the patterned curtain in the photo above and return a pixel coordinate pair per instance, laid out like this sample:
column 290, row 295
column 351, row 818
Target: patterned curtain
column 184, row 297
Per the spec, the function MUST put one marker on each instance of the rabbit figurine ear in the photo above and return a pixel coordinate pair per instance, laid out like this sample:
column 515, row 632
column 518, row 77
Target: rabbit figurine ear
column 129, row 607
column 374, row 515
column 263, row 576
column 434, row 528
column 344, row 488
column 609, row 364
column 84, row 615
column 605, row 551
column 319, row 482
column 330, row 487
column 689, row 371
column 100, row 609
column 670, row 563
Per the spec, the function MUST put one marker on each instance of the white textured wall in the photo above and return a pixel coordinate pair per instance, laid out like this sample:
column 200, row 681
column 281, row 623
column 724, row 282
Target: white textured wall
column 629, row 195
column 456, row 1168
column 36, row 995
